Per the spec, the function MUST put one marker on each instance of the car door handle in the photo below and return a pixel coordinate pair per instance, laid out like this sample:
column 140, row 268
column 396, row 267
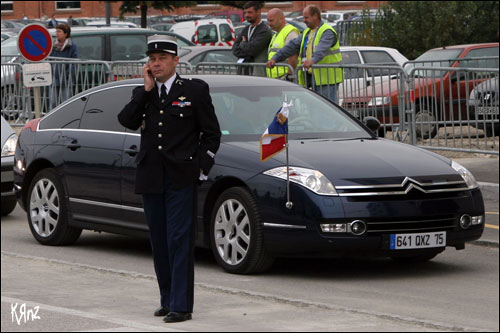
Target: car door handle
column 132, row 150
column 74, row 145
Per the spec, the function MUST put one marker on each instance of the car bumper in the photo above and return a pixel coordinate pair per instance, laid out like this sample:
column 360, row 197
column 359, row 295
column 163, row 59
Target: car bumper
column 298, row 232
column 8, row 176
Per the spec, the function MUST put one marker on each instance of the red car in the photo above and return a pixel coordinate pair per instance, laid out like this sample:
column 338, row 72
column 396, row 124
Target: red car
column 440, row 95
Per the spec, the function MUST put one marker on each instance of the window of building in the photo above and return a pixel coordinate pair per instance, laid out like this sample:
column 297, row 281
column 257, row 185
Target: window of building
column 7, row 7
column 68, row 5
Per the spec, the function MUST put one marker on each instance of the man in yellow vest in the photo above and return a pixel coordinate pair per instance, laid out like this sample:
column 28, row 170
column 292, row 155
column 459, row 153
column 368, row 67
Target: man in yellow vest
column 285, row 33
column 317, row 45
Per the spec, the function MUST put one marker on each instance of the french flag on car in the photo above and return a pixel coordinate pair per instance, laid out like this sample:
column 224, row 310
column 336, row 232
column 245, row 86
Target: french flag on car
column 274, row 138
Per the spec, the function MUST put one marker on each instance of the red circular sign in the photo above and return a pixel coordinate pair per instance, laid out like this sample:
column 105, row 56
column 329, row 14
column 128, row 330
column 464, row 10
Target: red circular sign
column 34, row 42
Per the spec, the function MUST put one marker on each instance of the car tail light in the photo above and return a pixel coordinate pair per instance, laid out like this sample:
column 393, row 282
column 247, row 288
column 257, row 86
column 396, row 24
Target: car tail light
column 32, row 124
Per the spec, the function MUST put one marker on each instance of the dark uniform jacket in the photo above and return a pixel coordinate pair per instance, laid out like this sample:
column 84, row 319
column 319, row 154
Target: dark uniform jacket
column 179, row 136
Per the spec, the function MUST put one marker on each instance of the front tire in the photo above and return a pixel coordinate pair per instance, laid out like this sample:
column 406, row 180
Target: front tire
column 236, row 233
column 8, row 205
column 47, row 211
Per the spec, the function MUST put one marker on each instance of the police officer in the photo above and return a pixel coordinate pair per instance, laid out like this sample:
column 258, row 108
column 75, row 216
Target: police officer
column 317, row 45
column 180, row 135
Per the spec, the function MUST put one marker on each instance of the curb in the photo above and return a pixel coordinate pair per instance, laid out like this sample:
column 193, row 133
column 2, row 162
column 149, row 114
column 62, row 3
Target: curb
column 489, row 190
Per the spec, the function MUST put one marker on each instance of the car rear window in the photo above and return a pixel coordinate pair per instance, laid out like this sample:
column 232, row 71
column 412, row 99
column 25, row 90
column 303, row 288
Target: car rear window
column 89, row 47
column 207, row 33
column 128, row 47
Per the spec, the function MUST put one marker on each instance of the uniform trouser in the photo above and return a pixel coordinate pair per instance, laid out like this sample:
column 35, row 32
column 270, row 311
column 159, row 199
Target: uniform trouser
column 170, row 217
column 328, row 90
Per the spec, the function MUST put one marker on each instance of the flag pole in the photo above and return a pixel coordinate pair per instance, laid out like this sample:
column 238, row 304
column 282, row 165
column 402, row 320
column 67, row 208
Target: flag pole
column 288, row 204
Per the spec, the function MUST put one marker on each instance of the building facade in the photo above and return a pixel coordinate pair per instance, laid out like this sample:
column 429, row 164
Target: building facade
column 16, row 10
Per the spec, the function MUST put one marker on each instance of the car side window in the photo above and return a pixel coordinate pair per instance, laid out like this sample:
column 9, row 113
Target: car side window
column 378, row 58
column 481, row 63
column 89, row 47
column 67, row 116
column 128, row 47
column 351, row 58
column 102, row 109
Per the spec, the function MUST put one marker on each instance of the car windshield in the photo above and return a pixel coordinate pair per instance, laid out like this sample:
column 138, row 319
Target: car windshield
column 434, row 58
column 244, row 113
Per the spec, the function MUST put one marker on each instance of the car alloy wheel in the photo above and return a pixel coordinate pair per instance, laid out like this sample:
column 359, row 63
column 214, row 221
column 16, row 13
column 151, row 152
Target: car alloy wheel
column 47, row 210
column 425, row 122
column 44, row 207
column 232, row 232
column 236, row 233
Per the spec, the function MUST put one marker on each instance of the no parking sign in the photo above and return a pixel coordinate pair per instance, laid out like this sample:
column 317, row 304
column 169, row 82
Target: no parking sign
column 34, row 42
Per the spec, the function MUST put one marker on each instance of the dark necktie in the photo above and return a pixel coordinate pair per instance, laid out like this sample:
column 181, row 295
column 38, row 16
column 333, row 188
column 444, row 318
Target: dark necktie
column 163, row 93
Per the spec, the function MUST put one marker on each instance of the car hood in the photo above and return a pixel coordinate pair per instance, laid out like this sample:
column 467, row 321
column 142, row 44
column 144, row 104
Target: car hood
column 355, row 162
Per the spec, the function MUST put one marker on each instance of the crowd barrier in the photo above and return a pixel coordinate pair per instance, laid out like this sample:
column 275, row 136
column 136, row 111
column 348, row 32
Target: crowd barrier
column 425, row 103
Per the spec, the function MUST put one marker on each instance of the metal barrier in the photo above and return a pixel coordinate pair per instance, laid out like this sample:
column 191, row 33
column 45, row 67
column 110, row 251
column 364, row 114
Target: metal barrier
column 442, row 108
column 122, row 70
column 454, row 108
column 69, row 77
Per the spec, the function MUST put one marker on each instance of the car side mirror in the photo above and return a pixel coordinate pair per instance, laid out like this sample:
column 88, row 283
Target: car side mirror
column 372, row 123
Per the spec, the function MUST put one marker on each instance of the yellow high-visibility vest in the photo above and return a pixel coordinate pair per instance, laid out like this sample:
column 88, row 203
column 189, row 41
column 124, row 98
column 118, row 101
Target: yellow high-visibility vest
column 277, row 43
column 323, row 76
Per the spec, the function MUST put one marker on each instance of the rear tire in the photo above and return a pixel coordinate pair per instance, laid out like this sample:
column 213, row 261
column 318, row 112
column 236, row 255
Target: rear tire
column 48, row 212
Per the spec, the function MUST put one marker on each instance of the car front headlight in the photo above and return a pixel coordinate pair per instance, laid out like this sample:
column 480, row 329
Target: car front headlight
column 311, row 179
column 466, row 175
column 379, row 101
column 9, row 148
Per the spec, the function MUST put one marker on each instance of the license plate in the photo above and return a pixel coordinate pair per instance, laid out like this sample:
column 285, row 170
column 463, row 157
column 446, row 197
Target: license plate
column 418, row 241
column 487, row 110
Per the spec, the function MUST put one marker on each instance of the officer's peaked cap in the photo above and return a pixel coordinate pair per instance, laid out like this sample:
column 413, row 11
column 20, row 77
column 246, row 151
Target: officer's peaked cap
column 162, row 43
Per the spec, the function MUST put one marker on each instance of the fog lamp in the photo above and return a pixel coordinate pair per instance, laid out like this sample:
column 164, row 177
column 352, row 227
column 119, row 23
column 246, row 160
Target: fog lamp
column 477, row 220
column 357, row 227
column 338, row 227
column 465, row 221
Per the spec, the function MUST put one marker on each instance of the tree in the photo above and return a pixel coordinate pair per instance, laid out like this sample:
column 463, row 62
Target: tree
column 131, row 7
column 414, row 27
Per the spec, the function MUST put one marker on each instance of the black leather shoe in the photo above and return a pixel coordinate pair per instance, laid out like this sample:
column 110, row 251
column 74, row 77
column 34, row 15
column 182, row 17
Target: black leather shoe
column 161, row 311
column 177, row 317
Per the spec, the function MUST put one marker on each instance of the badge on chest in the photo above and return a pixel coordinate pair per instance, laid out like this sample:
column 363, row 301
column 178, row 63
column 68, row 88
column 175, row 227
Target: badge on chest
column 181, row 103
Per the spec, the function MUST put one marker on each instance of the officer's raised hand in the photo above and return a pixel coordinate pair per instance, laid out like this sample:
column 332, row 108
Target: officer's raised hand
column 149, row 81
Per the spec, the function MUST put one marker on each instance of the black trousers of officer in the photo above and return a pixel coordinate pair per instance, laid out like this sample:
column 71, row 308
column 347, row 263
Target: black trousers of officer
column 170, row 217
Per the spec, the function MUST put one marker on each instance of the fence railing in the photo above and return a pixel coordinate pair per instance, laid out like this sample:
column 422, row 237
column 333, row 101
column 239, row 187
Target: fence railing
column 442, row 108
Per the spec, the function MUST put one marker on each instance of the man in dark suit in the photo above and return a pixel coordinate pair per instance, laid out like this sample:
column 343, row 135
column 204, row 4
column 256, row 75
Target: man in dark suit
column 180, row 135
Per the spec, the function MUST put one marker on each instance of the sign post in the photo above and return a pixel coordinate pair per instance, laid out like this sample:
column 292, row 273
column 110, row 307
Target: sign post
column 35, row 45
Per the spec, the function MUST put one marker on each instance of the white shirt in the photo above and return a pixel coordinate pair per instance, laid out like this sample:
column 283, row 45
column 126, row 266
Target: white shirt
column 168, row 84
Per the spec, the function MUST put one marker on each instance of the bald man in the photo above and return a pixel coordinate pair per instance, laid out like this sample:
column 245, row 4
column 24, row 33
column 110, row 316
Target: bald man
column 285, row 33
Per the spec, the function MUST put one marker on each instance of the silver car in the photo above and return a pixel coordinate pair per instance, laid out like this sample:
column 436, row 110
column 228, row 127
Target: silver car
column 9, row 141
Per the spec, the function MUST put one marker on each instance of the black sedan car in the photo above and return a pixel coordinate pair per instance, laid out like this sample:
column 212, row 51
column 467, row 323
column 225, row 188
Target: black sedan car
column 352, row 192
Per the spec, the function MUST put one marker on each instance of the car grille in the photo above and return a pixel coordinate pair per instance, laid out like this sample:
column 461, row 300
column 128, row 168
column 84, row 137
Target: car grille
column 408, row 187
column 442, row 223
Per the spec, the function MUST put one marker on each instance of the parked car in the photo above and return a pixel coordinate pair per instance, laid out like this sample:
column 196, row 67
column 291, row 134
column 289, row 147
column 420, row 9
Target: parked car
column 235, row 16
column 190, row 54
column 351, row 192
column 483, row 106
column 9, row 141
column 104, row 43
column 436, row 92
column 356, row 79
column 102, row 23
column 214, row 31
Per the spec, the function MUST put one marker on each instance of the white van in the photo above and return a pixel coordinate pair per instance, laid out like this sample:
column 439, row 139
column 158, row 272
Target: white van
column 216, row 32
